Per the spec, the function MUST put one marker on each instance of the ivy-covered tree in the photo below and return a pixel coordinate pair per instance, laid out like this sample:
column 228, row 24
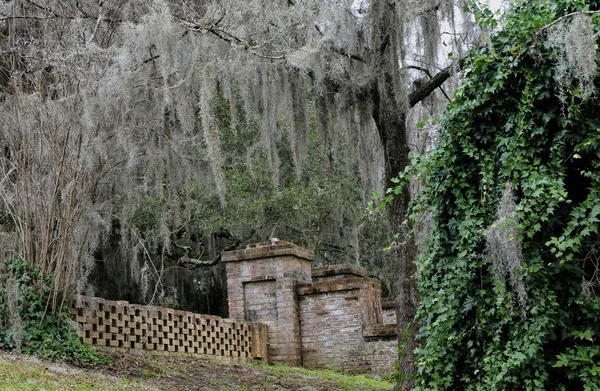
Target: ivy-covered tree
column 510, row 276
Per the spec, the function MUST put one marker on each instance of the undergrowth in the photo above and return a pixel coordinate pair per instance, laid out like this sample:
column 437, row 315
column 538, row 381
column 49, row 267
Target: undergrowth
column 26, row 323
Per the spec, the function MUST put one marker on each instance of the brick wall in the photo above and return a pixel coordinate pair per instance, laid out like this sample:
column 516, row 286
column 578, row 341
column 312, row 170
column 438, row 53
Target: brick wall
column 331, row 325
column 381, row 351
column 341, row 324
column 282, row 310
column 119, row 324
column 325, row 317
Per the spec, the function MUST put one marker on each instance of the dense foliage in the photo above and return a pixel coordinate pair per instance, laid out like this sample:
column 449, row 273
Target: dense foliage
column 510, row 274
column 147, row 137
column 25, row 321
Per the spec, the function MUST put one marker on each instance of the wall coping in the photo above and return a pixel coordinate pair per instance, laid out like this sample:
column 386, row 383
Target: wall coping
column 267, row 250
column 332, row 270
column 337, row 285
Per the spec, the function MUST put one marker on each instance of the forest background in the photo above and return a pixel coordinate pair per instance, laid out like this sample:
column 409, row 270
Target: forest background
column 142, row 139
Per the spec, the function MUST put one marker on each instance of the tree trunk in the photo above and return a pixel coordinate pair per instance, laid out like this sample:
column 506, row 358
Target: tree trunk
column 390, row 104
column 391, row 125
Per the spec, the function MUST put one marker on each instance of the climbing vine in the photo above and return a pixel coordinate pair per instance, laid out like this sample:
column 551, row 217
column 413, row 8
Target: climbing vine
column 509, row 275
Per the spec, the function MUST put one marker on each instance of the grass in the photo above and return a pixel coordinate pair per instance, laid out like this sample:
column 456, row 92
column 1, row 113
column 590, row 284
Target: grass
column 29, row 374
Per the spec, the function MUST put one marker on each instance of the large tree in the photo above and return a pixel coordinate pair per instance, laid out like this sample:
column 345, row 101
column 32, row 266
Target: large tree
column 129, row 102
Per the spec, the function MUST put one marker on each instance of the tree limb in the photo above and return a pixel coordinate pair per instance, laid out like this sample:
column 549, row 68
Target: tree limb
column 433, row 83
column 193, row 262
column 426, row 71
column 345, row 53
column 100, row 17
column 384, row 43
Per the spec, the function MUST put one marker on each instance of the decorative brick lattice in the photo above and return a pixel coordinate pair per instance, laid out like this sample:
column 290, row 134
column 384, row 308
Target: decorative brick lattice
column 118, row 324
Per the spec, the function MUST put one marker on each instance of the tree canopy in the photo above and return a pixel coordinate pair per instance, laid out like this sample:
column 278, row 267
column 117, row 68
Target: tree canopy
column 166, row 131
column 510, row 273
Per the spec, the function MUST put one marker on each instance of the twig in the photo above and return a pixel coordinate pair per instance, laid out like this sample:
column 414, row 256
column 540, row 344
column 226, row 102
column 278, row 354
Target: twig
column 227, row 37
column 538, row 31
column 100, row 17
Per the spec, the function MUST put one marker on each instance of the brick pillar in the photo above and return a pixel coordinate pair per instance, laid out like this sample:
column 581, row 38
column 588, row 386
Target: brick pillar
column 261, row 285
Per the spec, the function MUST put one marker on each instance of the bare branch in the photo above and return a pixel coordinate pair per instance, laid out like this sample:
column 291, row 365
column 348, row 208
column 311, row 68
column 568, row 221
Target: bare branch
column 539, row 31
column 426, row 71
column 384, row 43
column 100, row 16
column 45, row 9
column 319, row 29
column 151, row 59
column 227, row 37
column 193, row 262
column 345, row 53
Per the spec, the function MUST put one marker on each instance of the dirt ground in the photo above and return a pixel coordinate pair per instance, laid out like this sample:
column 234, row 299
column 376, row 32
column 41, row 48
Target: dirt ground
column 185, row 373
column 130, row 371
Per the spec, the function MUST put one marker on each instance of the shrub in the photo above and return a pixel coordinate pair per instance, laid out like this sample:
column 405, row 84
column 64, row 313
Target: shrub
column 27, row 326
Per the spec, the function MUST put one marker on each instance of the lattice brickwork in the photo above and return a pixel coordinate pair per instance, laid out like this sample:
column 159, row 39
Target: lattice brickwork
column 119, row 324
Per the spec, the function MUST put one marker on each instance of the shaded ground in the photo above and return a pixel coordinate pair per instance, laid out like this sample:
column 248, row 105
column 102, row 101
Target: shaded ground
column 169, row 373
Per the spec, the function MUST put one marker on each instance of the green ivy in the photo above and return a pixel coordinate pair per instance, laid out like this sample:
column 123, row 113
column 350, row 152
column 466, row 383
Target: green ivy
column 26, row 323
column 511, row 123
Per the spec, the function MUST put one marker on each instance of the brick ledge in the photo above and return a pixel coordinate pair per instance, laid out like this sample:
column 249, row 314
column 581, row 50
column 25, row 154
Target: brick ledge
column 381, row 331
column 267, row 250
column 338, row 285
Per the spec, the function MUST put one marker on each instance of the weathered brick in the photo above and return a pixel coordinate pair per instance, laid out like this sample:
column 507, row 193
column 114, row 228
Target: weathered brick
column 330, row 318
column 333, row 318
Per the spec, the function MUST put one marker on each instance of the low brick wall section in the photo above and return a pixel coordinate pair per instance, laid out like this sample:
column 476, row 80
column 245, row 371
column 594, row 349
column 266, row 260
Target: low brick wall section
column 340, row 323
column 119, row 324
column 381, row 348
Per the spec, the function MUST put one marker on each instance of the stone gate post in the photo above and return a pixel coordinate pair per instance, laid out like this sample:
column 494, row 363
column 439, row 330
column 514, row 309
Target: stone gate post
column 261, row 285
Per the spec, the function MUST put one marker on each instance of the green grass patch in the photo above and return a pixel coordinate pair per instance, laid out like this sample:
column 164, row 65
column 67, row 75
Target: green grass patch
column 31, row 375
column 345, row 381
